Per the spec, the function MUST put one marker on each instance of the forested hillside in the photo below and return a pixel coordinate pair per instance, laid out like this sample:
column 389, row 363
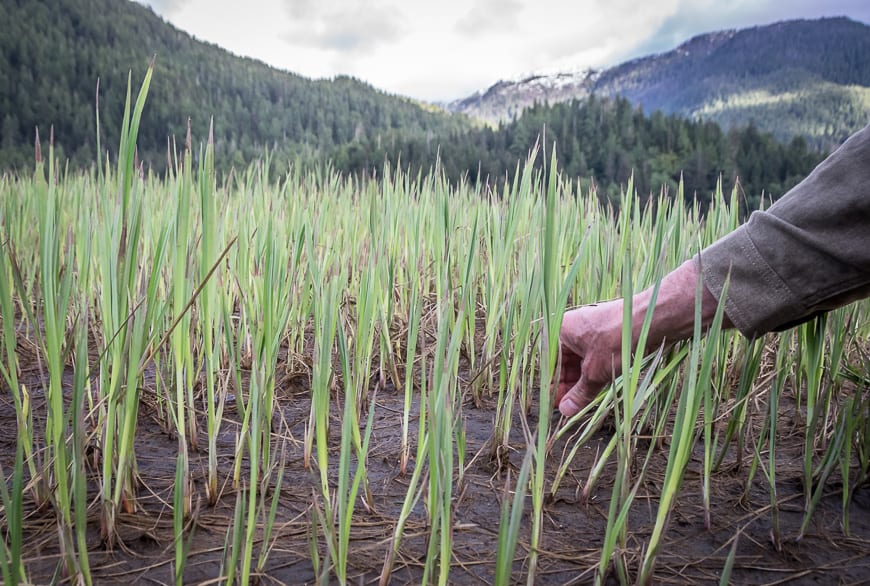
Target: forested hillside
column 605, row 143
column 53, row 51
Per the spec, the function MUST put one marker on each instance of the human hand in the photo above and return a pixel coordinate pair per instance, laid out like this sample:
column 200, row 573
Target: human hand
column 590, row 343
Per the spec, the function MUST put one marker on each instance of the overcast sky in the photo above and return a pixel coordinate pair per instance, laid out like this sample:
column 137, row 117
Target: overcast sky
column 440, row 50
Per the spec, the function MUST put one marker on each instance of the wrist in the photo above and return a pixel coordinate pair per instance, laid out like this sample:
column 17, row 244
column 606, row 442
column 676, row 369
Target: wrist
column 673, row 318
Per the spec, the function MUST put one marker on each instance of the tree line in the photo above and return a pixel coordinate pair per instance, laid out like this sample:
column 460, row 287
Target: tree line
column 604, row 142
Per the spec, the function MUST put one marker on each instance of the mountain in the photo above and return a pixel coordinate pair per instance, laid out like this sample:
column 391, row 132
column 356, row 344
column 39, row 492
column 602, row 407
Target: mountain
column 52, row 52
column 506, row 100
column 803, row 77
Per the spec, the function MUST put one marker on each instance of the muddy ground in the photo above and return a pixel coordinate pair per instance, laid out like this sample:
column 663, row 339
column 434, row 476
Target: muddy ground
column 574, row 530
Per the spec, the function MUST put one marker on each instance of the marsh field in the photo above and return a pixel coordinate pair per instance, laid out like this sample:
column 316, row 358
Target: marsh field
column 324, row 379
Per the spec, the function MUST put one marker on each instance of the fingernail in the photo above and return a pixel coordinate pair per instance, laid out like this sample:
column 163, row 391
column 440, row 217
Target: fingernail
column 568, row 407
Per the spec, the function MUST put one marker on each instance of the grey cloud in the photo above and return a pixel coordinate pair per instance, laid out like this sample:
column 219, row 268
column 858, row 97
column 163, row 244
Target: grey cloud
column 689, row 20
column 489, row 16
column 301, row 9
column 164, row 7
column 854, row 9
column 342, row 27
column 693, row 20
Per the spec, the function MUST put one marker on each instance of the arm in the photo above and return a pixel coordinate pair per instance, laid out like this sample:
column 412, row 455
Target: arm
column 591, row 336
column 808, row 253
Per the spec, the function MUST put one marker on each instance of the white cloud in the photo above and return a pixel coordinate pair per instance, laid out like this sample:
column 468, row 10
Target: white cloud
column 450, row 48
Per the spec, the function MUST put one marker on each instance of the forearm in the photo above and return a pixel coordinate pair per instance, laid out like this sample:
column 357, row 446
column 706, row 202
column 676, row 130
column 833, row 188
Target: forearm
column 673, row 318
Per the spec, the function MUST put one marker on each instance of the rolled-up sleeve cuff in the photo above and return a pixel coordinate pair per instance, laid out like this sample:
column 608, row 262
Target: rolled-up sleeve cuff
column 758, row 300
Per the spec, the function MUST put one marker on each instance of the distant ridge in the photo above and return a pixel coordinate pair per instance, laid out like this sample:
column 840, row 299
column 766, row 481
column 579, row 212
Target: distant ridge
column 801, row 77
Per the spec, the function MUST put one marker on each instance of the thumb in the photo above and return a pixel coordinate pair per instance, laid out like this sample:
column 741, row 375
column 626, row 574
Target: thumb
column 580, row 395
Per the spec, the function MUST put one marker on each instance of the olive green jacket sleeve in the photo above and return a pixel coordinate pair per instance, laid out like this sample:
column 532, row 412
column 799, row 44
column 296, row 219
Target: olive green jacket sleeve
column 806, row 254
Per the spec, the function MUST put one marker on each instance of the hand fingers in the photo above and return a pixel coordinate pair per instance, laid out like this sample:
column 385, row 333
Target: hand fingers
column 562, row 390
column 568, row 377
column 580, row 395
